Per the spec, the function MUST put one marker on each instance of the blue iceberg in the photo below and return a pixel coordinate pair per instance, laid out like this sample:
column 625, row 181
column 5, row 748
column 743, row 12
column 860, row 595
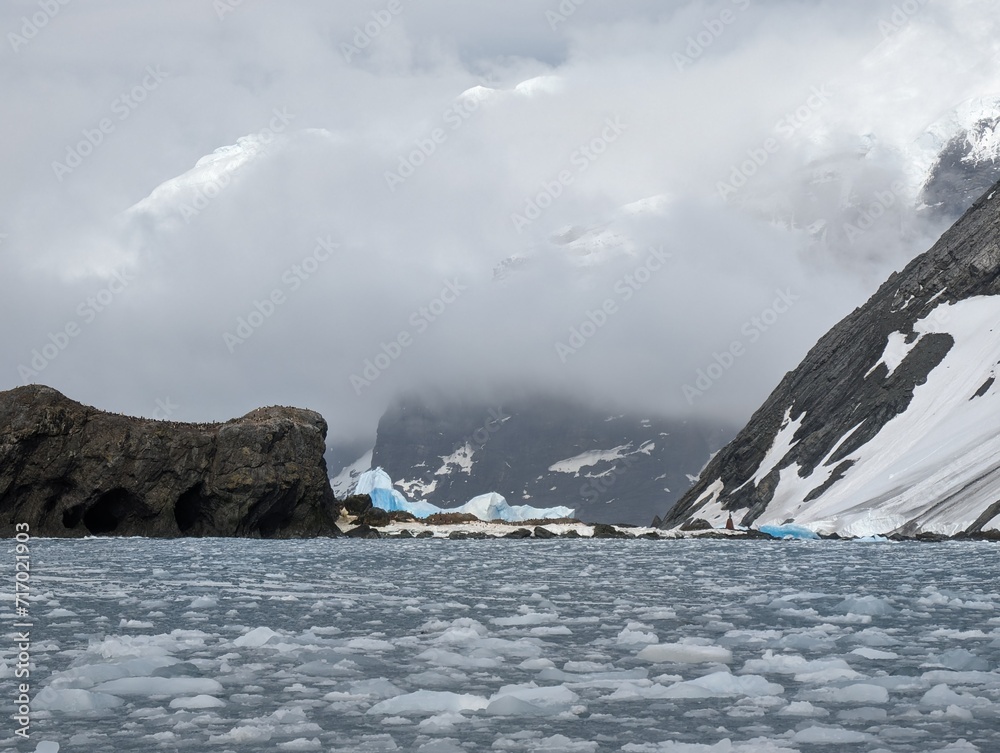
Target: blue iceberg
column 789, row 531
column 377, row 484
column 493, row 506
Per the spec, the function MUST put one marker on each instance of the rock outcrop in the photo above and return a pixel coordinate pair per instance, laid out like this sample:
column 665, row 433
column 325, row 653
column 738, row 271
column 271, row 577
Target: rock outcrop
column 69, row 470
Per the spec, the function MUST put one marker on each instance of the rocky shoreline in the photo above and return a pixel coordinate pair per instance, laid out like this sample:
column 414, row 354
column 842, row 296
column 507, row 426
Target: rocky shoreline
column 373, row 523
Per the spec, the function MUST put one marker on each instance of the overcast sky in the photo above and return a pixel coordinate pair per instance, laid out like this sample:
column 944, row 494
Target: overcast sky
column 448, row 190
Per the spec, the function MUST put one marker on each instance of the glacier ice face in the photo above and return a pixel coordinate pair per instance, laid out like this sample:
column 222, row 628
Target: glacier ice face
column 377, row 484
column 789, row 531
column 373, row 479
column 491, row 506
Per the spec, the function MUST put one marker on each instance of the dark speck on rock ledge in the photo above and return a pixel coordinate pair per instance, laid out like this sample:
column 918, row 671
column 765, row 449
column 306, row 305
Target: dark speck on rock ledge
column 70, row 470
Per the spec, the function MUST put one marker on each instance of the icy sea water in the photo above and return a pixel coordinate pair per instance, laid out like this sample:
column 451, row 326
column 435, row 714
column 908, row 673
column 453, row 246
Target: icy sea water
column 431, row 645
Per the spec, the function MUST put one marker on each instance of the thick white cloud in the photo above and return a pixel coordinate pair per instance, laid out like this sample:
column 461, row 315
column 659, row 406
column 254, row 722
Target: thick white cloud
column 590, row 111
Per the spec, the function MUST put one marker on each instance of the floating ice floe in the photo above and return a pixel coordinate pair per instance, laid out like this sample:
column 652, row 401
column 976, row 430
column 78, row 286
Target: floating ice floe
column 510, row 700
column 74, row 700
column 683, row 653
column 431, row 648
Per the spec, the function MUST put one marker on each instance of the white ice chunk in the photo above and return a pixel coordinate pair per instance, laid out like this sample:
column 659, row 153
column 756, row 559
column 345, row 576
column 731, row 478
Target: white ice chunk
column 630, row 636
column 959, row 746
column 430, row 702
column 136, row 624
column 724, row 685
column 859, row 693
column 829, row 736
column 197, row 702
column 563, row 744
column 875, row 654
column 369, row 645
column 463, row 630
column 802, row 708
column 301, row 743
column 961, row 659
column 88, row 675
column 378, row 687
column 684, row 653
column 531, row 700
column 537, row 664
column 755, row 745
column 530, row 618
column 244, row 733
column 73, row 700
column 149, row 686
column 942, row 695
column 815, row 671
column 441, row 658
column 870, row 605
column 863, row 714
column 441, row 722
column 256, row 638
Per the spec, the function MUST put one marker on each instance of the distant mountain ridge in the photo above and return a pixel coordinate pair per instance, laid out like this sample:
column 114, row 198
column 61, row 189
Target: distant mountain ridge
column 540, row 451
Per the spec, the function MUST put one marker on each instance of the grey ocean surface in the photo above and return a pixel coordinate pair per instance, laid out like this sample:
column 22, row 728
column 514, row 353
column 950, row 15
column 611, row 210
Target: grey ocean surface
column 436, row 645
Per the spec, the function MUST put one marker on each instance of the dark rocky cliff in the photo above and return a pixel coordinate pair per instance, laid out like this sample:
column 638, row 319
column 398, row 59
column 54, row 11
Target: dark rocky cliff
column 70, row 470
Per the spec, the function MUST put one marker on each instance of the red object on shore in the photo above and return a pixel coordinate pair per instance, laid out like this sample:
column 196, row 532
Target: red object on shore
column 729, row 523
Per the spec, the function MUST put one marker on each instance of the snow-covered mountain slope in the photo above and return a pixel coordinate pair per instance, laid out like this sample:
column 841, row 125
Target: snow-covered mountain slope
column 185, row 195
column 892, row 421
column 544, row 452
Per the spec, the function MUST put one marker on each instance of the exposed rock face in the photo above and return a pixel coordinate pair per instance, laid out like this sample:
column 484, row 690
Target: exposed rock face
column 862, row 436
column 364, row 531
column 374, row 517
column 70, row 470
column 605, row 531
column 520, row 533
